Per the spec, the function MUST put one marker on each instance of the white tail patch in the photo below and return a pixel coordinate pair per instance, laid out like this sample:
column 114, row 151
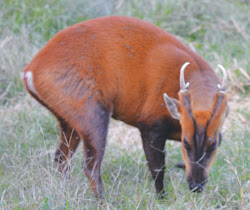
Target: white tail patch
column 29, row 77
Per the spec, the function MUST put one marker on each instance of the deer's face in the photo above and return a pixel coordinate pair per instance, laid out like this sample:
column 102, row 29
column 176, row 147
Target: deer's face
column 200, row 131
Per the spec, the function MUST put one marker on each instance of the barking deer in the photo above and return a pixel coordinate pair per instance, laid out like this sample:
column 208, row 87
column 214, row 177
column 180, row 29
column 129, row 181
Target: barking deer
column 125, row 68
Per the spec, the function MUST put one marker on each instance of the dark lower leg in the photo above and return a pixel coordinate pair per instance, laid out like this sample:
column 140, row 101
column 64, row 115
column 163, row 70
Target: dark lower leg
column 69, row 141
column 94, row 146
column 155, row 155
column 92, row 167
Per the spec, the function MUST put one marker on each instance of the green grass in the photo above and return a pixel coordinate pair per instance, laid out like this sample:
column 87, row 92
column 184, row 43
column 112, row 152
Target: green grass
column 217, row 30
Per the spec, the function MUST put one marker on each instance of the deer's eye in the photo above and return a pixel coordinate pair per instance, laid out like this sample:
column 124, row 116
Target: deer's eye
column 213, row 146
column 186, row 145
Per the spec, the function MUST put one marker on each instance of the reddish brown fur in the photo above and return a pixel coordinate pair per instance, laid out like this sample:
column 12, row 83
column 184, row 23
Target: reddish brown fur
column 119, row 66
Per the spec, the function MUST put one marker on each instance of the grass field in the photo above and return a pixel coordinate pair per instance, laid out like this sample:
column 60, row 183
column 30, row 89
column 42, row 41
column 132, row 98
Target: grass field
column 217, row 30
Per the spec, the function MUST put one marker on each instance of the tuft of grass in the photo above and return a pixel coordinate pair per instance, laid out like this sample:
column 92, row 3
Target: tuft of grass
column 217, row 30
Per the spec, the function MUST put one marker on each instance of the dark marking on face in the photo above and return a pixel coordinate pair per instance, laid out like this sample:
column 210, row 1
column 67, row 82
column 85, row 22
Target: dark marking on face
column 218, row 104
column 200, row 140
column 208, row 154
column 199, row 156
column 186, row 101
column 198, row 153
column 186, row 145
column 197, row 174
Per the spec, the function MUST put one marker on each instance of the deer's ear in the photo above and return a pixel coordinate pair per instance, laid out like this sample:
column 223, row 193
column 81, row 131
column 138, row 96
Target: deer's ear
column 173, row 106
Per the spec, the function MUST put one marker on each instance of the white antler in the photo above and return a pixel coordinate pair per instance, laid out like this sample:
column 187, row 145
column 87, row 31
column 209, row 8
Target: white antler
column 183, row 85
column 222, row 87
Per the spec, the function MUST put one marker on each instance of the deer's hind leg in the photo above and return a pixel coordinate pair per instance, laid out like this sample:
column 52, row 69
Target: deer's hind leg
column 69, row 141
column 94, row 142
column 91, row 126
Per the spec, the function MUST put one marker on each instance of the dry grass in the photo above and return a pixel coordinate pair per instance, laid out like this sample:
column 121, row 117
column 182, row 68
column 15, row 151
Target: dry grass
column 28, row 133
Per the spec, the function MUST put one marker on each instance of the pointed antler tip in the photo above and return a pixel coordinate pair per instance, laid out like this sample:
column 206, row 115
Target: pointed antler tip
column 183, row 85
column 222, row 87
